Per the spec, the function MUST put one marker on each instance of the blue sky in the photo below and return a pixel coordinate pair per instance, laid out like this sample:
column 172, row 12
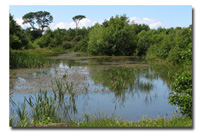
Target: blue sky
column 154, row 16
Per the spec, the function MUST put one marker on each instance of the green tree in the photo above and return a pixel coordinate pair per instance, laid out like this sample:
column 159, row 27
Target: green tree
column 42, row 18
column 114, row 37
column 139, row 27
column 30, row 18
column 143, row 43
column 17, row 37
column 77, row 19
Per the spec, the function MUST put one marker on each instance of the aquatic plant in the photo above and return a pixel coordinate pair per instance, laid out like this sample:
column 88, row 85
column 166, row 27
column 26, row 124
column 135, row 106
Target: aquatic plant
column 47, row 107
column 23, row 116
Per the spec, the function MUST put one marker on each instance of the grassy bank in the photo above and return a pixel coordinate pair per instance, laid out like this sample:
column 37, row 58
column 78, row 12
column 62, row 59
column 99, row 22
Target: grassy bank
column 104, row 121
column 31, row 58
column 145, row 122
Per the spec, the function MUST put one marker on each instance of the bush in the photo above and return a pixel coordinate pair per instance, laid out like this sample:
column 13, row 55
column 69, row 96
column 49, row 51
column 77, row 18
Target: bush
column 182, row 93
column 81, row 45
column 67, row 45
column 143, row 43
column 174, row 55
column 114, row 37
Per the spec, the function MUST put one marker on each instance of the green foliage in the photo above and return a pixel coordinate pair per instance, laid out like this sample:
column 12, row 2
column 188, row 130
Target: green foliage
column 140, row 27
column 103, row 121
column 173, row 45
column 43, row 109
column 42, row 18
column 67, row 44
column 17, row 37
column 95, row 46
column 114, row 37
column 186, row 54
column 82, row 45
column 143, row 43
column 23, row 116
column 23, row 59
column 77, row 19
column 48, row 107
column 182, row 93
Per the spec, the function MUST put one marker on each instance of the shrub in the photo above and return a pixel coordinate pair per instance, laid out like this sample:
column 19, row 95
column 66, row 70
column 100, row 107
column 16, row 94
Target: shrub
column 182, row 93
column 67, row 45
column 114, row 37
column 82, row 45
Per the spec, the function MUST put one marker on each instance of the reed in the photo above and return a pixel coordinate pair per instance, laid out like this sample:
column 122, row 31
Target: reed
column 25, row 59
column 47, row 107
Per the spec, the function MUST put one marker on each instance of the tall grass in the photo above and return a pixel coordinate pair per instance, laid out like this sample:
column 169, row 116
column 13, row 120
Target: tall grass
column 103, row 121
column 31, row 58
column 47, row 107
column 25, row 59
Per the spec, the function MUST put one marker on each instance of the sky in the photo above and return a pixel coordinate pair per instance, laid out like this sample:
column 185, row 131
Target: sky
column 154, row 16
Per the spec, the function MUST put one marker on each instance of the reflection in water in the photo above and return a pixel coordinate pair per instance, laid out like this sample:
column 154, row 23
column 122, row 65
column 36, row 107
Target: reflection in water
column 123, row 86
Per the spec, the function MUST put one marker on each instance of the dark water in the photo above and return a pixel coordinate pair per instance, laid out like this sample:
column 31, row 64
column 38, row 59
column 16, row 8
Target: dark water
column 126, row 87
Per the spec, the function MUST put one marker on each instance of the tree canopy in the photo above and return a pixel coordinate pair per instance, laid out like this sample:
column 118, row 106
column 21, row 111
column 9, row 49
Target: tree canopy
column 114, row 37
column 77, row 19
column 17, row 37
column 42, row 18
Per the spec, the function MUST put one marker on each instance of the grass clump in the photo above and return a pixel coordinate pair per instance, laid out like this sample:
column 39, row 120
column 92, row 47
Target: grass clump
column 30, row 58
column 47, row 108
column 25, row 59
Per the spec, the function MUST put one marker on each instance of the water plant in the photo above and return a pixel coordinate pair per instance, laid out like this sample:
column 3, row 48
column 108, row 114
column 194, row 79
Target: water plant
column 47, row 107
column 23, row 116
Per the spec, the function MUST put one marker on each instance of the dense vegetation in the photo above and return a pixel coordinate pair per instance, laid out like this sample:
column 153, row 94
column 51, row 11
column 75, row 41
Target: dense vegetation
column 116, row 36
column 182, row 92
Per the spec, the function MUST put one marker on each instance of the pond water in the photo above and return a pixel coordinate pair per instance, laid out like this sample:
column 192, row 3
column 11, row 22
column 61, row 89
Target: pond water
column 126, row 87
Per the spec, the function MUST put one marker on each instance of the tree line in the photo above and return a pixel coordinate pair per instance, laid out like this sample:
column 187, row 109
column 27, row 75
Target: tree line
column 114, row 37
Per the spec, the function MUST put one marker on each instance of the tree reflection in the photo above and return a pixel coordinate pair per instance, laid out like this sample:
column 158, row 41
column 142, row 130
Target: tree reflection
column 131, row 80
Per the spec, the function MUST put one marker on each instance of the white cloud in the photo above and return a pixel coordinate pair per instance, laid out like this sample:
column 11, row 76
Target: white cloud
column 153, row 23
column 86, row 23
column 19, row 21
column 83, row 23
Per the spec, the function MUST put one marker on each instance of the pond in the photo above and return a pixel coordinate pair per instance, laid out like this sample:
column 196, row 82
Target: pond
column 120, row 86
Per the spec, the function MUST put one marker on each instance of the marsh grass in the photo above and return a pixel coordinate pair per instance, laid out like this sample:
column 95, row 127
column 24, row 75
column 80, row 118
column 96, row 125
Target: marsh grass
column 24, row 59
column 46, row 107
column 30, row 58
column 103, row 121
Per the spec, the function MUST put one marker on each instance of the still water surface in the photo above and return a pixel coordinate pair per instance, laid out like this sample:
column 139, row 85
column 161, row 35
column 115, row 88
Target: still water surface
column 126, row 87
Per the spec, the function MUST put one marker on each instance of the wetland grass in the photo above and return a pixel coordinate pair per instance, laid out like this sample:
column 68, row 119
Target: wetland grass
column 30, row 58
column 104, row 121
column 46, row 107
column 24, row 59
